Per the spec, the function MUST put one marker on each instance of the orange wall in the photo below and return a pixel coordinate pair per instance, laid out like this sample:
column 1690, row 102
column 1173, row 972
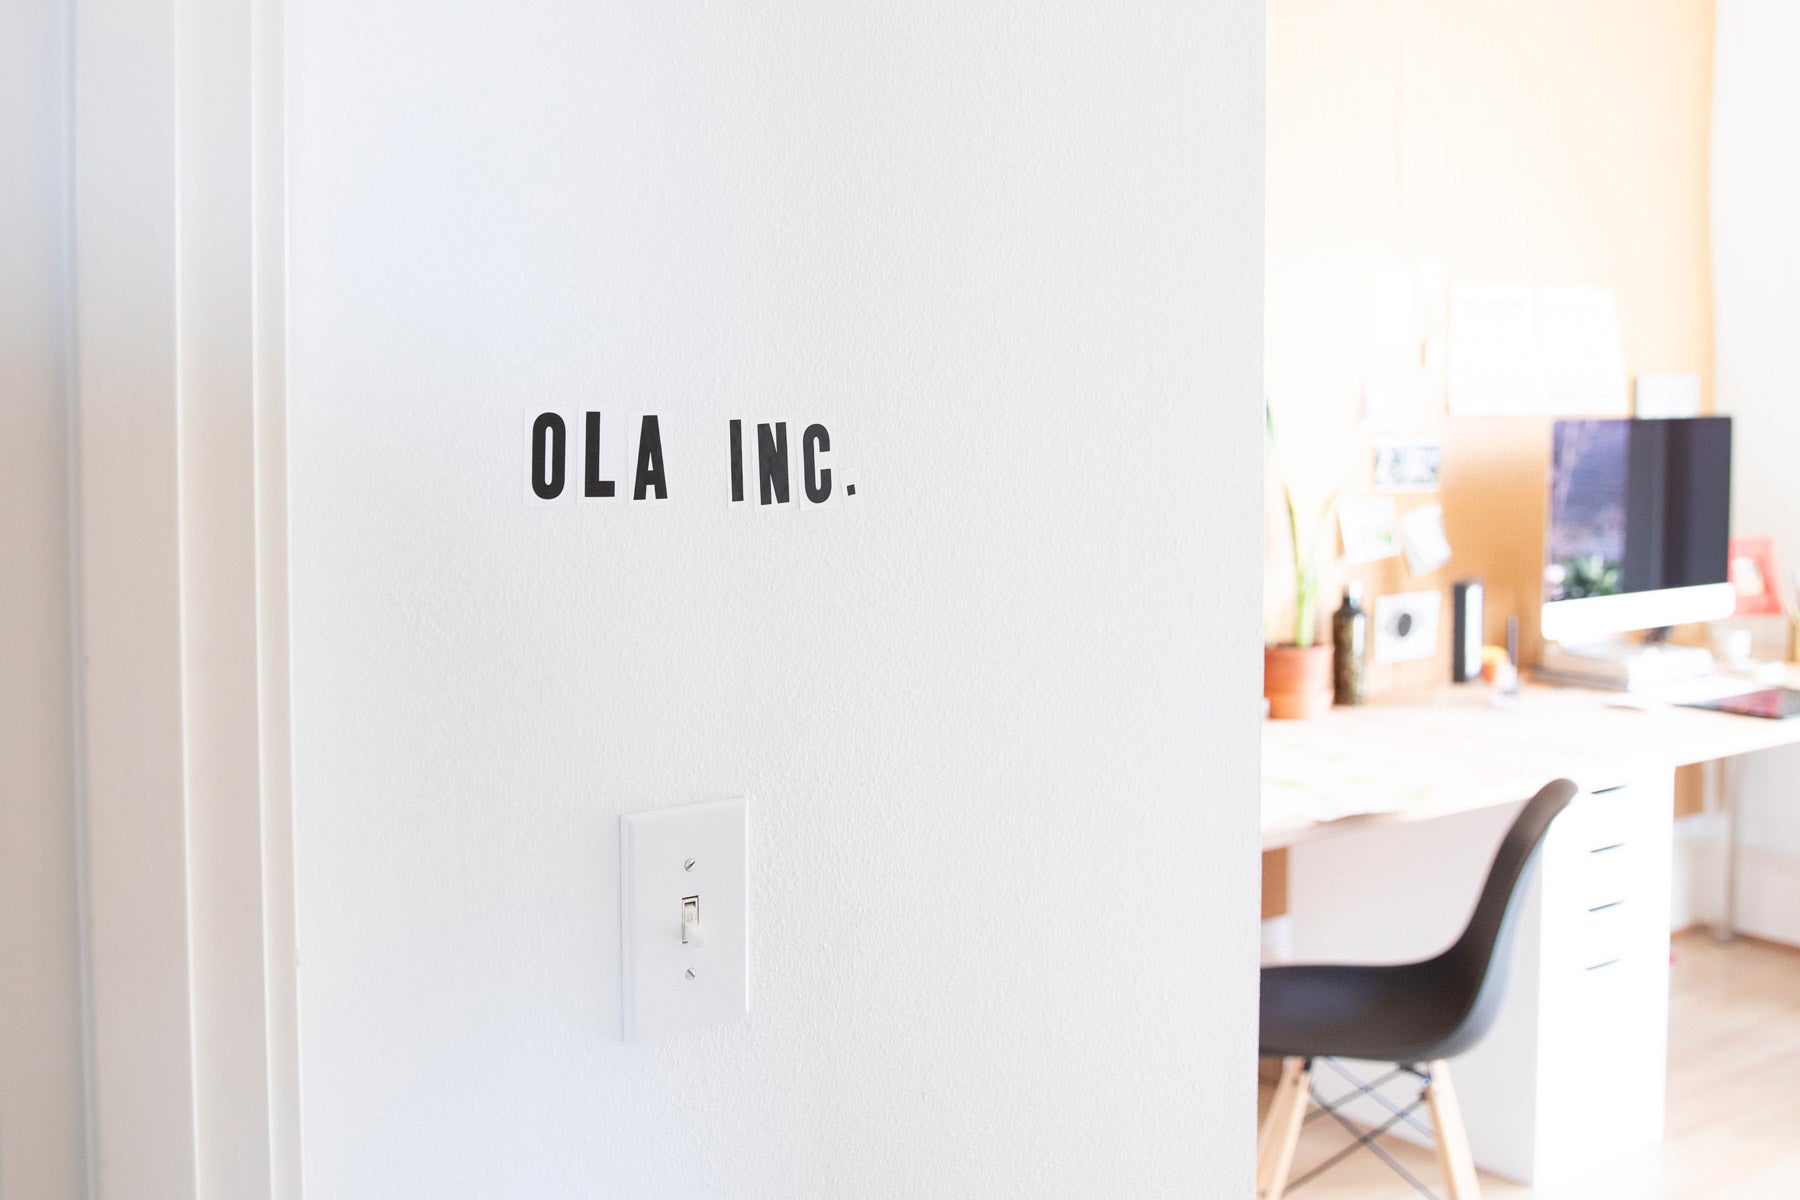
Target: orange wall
column 1527, row 141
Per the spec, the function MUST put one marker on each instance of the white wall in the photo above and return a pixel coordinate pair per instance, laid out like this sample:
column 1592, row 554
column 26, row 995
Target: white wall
column 1756, row 298
column 42, row 1127
column 997, row 713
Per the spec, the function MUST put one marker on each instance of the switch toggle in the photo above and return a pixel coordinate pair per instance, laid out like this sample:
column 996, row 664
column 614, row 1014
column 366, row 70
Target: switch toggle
column 677, row 970
column 691, row 933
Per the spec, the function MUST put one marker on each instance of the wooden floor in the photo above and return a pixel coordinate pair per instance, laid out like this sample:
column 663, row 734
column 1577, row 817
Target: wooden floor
column 1734, row 1107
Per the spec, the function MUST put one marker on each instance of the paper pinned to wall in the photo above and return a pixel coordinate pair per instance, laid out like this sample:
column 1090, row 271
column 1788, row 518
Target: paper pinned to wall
column 1555, row 351
column 1668, row 395
column 1581, row 356
column 1393, row 320
column 1370, row 528
column 1428, row 289
column 1427, row 546
column 1492, row 367
column 1391, row 402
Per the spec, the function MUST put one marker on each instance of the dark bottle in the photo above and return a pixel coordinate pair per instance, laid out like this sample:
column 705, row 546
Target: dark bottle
column 1350, row 640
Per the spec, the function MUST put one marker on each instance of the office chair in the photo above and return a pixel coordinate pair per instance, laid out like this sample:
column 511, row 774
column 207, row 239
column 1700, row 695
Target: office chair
column 1415, row 1015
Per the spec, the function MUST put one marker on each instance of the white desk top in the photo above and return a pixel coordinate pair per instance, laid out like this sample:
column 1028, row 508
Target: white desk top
column 1451, row 750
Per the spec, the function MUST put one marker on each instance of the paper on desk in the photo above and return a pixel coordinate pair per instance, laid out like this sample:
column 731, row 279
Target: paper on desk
column 1332, row 784
column 1290, row 802
column 1367, row 762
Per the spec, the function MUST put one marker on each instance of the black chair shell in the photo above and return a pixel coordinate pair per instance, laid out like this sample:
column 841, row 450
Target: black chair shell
column 1420, row 1011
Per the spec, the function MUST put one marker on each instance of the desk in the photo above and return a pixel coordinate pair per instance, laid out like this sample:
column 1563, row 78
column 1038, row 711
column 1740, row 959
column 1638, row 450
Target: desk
column 1424, row 786
column 1427, row 755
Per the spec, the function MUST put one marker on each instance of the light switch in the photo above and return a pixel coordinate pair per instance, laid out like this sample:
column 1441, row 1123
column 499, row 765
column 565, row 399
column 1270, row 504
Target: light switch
column 691, row 933
column 684, row 916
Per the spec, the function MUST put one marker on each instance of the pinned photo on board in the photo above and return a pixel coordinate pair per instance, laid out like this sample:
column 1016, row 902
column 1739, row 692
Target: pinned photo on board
column 1427, row 546
column 1406, row 466
column 1370, row 529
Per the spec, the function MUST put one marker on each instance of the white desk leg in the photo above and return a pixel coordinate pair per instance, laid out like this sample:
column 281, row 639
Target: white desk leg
column 1721, row 783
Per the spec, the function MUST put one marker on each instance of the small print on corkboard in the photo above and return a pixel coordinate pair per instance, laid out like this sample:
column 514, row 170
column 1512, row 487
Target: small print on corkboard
column 1406, row 466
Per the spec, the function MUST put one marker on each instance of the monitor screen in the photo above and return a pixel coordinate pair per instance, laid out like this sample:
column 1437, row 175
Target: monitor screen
column 1637, row 506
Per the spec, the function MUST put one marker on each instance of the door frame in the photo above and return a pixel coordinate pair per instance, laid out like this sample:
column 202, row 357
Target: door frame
column 178, row 269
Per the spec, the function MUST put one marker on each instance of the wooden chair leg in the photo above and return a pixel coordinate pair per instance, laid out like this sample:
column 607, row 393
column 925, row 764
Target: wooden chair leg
column 1281, row 1129
column 1454, row 1158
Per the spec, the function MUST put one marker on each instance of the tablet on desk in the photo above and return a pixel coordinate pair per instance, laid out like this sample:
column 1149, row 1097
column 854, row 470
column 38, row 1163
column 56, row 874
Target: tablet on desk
column 1776, row 703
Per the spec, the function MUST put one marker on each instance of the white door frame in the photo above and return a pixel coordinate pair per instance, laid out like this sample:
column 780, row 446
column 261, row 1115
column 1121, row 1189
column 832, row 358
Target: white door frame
column 179, row 220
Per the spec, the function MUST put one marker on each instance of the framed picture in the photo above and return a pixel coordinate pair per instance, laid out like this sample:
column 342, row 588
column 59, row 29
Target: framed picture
column 1754, row 576
column 1406, row 626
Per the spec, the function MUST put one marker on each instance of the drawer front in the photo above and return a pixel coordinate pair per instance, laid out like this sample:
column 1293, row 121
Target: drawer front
column 1605, row 897
column 1604, row 941
column 1607, row 875
column 1604, row 936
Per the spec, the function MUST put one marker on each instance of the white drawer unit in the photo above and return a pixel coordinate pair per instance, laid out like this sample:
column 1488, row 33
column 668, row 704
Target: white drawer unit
column 1596, row 986
column 1572, row 1075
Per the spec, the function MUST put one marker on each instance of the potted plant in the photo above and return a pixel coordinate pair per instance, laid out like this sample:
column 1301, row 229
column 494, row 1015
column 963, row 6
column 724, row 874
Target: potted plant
column 1297, row 673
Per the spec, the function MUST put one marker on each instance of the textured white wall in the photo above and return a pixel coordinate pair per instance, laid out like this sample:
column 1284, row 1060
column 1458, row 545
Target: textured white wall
column 997, row 713
column 1756, row 305
column 42, row 1153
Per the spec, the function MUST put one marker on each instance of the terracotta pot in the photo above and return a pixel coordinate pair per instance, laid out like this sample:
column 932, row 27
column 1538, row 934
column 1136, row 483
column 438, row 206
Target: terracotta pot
column 1297, row 681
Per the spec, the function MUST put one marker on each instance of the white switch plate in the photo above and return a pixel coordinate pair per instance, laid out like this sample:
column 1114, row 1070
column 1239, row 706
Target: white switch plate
column 667, row 855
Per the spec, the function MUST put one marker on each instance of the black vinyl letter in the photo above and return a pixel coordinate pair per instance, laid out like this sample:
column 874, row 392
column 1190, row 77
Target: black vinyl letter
column 737, row 461
column 595, row 487
column 813, row 442
column 650, row 462
column 772, row 462
column 547, row 459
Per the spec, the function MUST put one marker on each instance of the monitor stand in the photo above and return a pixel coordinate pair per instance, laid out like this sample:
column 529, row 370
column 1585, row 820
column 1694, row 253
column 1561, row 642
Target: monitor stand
column 1626, row 665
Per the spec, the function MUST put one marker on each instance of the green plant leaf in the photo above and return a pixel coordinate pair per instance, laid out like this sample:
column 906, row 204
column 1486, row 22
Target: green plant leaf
column 1307, row 564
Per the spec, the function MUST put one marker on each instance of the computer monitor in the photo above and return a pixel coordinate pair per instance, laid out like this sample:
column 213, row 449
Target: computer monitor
column 1640, row 526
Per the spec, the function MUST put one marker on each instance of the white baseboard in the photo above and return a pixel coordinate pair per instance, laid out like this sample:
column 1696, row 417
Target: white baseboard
column 1694, row 890
column 1768, row 895
column 1768, row 885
